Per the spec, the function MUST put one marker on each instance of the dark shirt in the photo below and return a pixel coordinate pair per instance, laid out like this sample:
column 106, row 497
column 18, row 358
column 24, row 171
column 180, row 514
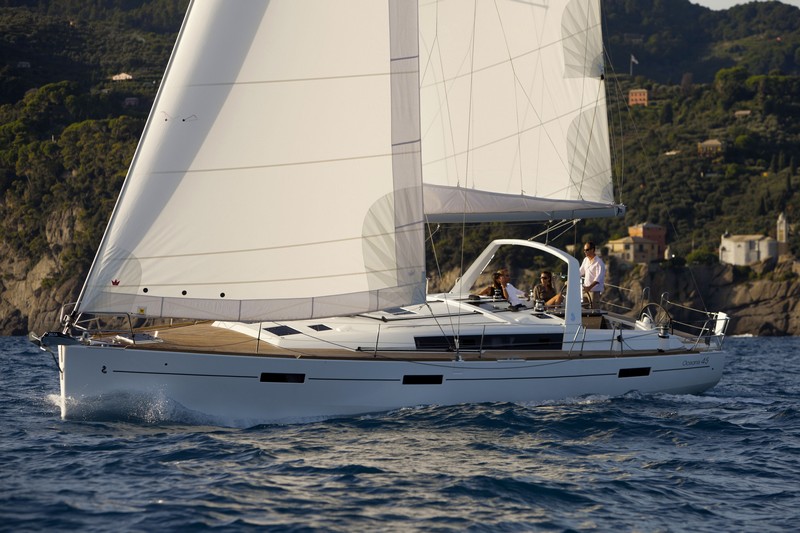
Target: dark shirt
column 542, row 293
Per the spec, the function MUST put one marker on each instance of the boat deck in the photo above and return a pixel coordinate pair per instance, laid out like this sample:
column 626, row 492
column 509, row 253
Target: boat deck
column 205, row 338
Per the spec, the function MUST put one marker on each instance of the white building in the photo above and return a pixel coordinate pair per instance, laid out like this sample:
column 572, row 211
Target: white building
column 746, row 249
column 783, row 231
column 122, row 76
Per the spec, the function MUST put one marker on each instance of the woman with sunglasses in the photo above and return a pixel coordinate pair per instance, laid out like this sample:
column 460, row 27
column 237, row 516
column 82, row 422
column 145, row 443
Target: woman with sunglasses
column 545, row 291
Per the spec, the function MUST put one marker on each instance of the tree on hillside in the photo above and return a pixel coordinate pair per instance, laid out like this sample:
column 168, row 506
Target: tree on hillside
column 730, row 85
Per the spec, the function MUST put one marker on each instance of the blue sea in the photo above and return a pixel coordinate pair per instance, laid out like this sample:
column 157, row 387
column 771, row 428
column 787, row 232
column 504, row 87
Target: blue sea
column 728, row 460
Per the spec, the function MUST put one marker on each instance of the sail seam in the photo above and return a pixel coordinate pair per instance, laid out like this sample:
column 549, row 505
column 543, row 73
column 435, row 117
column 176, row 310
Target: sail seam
column 281, row 247
column 279, row 165
column 505, row 138
column 297, row 80
column 504, row 62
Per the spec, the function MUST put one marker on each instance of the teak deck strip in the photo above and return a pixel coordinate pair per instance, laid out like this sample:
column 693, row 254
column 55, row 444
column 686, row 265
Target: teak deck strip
column 205, row 338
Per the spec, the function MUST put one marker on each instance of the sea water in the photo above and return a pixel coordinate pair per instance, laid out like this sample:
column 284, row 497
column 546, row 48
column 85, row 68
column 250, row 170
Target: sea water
column 727, row 460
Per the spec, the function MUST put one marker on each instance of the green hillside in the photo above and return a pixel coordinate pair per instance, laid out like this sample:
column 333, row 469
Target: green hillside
column 68, row 131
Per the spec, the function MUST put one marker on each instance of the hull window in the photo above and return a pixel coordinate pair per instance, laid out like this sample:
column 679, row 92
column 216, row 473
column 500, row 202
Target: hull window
column 423, row 380
column 277, row 377
column 634, row 372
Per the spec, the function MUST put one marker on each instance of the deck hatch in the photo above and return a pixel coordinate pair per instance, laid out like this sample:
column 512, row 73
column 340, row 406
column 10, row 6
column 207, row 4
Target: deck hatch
column 530, row 341
column 422, row 379
column 280, row 377
column 319, row 327
column 282, row 331
column 634, row 372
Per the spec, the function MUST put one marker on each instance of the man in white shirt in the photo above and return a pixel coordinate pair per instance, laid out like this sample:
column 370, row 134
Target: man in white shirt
column 511, row 293
column 593, row 271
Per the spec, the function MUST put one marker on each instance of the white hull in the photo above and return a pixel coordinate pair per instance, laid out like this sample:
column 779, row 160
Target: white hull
column 246, row 390
column 451, row 350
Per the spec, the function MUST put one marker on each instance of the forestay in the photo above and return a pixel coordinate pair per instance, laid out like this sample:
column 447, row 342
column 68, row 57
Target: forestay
column 278, row 176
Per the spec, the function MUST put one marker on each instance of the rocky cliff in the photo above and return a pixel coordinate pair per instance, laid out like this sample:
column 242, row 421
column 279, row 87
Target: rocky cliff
column 761, row 300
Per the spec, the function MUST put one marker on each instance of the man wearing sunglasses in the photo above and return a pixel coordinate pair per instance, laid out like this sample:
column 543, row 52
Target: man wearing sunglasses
column 593, row 271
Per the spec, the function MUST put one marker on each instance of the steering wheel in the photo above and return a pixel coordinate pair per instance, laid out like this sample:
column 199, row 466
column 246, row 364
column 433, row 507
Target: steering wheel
column 658, row 316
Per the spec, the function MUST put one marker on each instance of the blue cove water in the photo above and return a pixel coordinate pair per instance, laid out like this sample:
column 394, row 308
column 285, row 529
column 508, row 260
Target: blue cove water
column 728, row 460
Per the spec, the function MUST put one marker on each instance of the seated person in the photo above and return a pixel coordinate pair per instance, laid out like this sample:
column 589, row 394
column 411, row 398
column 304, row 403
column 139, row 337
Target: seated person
column 496, row 288
column 546, row 291
column 501, row 286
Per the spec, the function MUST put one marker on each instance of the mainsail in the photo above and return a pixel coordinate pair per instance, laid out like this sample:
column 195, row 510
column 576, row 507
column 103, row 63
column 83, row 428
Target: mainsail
column 514, row 123
column 292, row 144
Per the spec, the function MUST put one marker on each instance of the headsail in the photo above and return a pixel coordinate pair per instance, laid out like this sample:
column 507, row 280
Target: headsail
column 513, row 105
column 278, row 176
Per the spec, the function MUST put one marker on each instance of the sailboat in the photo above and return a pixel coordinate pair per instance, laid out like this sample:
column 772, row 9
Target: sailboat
column 273, row 219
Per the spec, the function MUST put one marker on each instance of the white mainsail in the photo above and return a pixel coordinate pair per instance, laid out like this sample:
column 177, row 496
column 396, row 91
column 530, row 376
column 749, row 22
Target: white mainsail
column 280, row 175
column 514, row 122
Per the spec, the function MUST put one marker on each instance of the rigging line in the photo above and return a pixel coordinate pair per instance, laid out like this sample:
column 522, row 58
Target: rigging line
column 514, row 82
column 597, row 100
column 651, row 173
column 521, row 55
column 555, row 120
column 455, row 327
column 441, row 277
column 568, row 223
column 617, row 152
column 433, row 249
column 470, row 140
column 446, row 116
column 548, row 229
column 595, row 117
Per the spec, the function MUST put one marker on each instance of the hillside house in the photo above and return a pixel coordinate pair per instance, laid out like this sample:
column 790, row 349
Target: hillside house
column 745, row 250
column 653, row 232
column 122, row 76
column 634, row 249
column 637, row 97
column 645, row 242
column 709, row 148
